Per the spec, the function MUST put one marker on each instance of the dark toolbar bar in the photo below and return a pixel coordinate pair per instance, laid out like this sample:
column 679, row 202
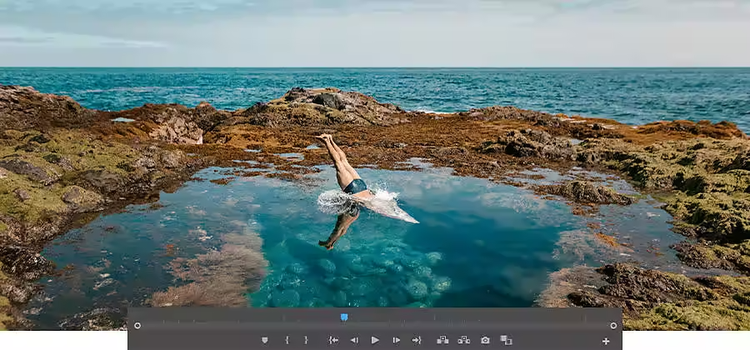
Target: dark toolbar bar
column 317, row 329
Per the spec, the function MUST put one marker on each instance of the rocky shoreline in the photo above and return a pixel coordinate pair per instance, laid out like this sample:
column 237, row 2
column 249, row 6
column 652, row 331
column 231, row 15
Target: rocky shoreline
column 61, row 165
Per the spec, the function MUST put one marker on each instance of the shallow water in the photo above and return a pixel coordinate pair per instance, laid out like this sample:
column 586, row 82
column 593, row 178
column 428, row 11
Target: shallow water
column 478, row 244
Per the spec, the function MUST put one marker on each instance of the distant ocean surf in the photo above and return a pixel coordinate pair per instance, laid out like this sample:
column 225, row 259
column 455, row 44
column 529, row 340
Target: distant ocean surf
column 635, row 96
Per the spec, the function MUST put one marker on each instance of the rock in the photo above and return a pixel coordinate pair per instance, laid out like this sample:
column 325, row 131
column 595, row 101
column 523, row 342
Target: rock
column 441, row 284
column 417, row 290
column 340, row 299
column 102, row 180
column 434, row 257
column 285, row 298
column 586, row 192
column 23, row 108
column 290, row 282
column 22, row 194
column 145, row 163
column 330, row 100
column 81, row 200
column 172, row 159
column 321, row 107
column 531, row 143
column 423, row 271
column 61, row 161
column 24, row 263
column 40, row 139
column 327, row 266
column 178, row 131
column 296, row 268
column 35, row 173
column 100, row 319
column 3, row 173
column 16, row 291
column 360, row 287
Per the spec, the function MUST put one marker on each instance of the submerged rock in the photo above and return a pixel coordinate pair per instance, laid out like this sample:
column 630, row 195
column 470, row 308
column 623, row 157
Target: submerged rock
column 417, row 290
column 285, row 298
column 327, row 266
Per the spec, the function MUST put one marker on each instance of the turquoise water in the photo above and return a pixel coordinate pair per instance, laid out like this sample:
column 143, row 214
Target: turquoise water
column 628, row 95
column 478, row 244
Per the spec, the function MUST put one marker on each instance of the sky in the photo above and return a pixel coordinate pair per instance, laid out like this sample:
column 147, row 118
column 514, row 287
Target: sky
column 375, row 33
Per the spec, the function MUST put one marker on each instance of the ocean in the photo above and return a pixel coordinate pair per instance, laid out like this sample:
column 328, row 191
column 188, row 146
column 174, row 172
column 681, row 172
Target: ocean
column 634, row 96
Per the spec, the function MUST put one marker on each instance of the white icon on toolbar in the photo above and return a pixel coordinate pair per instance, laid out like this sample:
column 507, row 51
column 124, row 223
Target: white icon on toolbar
column 417, row 340
column 443, row 340
column 507, row 341
column 333, row 340
column 485, row 340
column 305, row 340
column 464, row 340
column 354, row 340
column 264, row 340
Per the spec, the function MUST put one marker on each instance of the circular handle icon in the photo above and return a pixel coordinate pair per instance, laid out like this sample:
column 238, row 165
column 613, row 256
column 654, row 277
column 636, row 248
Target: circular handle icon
column 613, row 325
column 137, row 325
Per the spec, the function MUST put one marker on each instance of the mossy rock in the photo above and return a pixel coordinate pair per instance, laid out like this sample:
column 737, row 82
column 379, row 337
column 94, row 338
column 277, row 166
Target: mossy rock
column 724, row 315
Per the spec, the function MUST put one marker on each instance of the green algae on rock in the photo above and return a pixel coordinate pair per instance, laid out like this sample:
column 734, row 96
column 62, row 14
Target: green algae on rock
column 655, row 300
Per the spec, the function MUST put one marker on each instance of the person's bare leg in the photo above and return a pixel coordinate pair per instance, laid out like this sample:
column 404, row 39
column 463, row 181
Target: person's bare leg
column 344, row 160
column 342, row 226
column 343, row 176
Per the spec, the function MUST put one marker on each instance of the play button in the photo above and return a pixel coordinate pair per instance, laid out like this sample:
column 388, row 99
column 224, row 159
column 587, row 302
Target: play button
column 374, row 340
column 396, row 340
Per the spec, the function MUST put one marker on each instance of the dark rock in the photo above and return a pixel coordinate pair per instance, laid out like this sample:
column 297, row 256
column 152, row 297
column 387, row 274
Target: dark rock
column 22, row 194
column 586, row 192
column 41, row 139
column 630, row 282
column 61, row 161
column 329, row 100
column 22, row 167
column 24, row 263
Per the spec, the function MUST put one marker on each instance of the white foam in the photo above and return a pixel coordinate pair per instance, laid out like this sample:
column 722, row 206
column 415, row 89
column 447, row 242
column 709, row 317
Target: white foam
column 335, row 202
column 430, row 111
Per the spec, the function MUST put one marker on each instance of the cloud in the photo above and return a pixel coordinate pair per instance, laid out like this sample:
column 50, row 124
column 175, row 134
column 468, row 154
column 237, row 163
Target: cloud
column 14, row 36
column 377, row 32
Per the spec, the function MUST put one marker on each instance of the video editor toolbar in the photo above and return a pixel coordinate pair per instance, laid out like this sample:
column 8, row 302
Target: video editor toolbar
column 373, row 328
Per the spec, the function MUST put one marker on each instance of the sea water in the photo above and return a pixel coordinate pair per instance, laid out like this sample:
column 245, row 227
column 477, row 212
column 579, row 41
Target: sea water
column 630, row 95
column 478, row 244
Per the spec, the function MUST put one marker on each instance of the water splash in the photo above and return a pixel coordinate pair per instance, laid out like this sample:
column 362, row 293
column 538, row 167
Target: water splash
column 337, row 202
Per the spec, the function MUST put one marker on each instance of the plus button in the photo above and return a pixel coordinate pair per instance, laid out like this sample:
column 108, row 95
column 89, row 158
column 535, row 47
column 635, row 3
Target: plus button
column 605, row 341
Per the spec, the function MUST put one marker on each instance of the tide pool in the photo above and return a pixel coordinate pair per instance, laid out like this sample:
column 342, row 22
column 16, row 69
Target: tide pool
column 255, row 242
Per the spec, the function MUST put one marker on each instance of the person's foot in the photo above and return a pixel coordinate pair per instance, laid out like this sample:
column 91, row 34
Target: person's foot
column 323, row 137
